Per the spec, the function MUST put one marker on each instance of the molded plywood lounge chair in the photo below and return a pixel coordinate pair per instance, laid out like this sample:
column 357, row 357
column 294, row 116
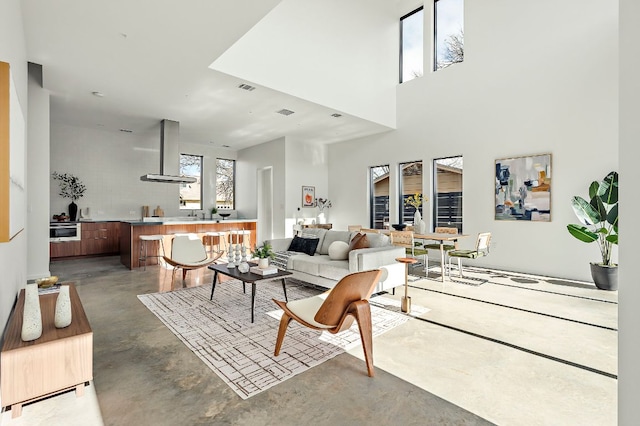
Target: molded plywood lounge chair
column 334, row 311
column 187, row 253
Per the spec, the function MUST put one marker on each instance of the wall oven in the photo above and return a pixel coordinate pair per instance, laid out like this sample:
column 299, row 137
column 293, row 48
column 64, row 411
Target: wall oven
column 64, row 231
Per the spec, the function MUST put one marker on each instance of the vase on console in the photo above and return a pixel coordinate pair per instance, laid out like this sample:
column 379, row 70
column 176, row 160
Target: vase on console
column 417, row 217
column 31, row 316
column 62, row 316
column 321, row 218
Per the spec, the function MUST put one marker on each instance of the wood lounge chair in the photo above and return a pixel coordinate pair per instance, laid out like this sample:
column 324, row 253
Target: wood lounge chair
column 187, row 253
column 335, row 310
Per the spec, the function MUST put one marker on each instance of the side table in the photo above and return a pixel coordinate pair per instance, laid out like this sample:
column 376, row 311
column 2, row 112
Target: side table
column 405, row 305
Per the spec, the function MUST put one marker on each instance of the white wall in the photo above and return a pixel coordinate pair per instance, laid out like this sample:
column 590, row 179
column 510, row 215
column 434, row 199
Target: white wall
column 13, row 255
column 538, row 77
column 629, row 314
column 335, row 53
column 110, row 164
column 38, row 176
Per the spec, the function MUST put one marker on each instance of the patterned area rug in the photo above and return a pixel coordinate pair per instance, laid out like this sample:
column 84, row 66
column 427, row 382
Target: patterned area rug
column 221, row 334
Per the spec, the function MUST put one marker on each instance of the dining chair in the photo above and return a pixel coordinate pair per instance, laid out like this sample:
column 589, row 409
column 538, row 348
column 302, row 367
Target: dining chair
column 445, row 247
column 412, row 248
column 482, row 249
column 335, row 310
column 369, row 231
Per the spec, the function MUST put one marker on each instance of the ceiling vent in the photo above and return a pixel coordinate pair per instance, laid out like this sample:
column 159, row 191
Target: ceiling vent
column 285, row 112
column 246, row 87
column 336, row 115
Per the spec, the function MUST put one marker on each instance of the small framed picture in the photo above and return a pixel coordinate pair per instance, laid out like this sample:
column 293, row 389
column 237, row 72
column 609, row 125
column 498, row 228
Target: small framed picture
column 308, row 196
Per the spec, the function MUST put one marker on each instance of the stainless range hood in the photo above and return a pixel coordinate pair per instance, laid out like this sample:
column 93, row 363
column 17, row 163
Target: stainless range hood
column 169, row 156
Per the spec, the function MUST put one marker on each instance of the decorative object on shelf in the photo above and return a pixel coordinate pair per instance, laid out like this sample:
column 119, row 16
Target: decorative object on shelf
column 31, row 316
column 399, row 226
column 62, row 217
column 308, row 196
column 523, row 188
column 601, row 216
column 243, row 267
column 62, row 317
column 263, row 253
column 224, row 216
column 70, row 187
column 322, row 203
column 47, row 281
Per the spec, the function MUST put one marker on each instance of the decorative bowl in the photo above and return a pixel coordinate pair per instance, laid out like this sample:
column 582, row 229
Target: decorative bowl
column 224, row 215
column 47, row 281
column 399, row 226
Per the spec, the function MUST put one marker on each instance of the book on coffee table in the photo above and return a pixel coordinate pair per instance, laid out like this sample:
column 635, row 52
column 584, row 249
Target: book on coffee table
column 266, row 271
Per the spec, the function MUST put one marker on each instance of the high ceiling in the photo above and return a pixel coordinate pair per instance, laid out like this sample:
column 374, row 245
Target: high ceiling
column 150, row 60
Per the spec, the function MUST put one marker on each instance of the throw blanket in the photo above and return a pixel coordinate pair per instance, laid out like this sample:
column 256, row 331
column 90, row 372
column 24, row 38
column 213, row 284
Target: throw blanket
column 282, row 258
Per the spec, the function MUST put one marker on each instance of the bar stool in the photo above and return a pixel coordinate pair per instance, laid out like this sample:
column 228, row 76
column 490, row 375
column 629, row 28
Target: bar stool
column 145, row 240
column 215, row 239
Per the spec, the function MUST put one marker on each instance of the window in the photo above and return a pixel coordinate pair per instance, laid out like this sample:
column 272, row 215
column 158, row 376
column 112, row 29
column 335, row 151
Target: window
column 411, row 45
column 225, row 183
column 379, row 199
column 447, row 206
column 191, row 193
column 449, row 33
column 410, row 184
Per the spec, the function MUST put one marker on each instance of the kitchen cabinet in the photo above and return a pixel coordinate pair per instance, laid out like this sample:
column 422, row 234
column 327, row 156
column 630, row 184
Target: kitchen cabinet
column 100, row 238
column 65, row 249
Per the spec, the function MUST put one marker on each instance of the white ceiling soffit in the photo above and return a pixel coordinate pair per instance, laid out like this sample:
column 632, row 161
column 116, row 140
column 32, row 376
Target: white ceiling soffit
column 343, row 55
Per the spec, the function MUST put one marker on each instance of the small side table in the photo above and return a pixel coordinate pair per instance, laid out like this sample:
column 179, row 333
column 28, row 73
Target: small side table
column 406, row 300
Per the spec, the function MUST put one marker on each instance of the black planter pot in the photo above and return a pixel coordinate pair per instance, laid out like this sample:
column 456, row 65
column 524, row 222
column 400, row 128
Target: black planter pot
column 73, row 211
column 605, row 277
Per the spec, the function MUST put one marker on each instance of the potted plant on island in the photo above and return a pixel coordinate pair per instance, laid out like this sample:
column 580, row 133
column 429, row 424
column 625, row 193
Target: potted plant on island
column 70, row 187
column 600, row 215
column 213, row 210
column 263, row 253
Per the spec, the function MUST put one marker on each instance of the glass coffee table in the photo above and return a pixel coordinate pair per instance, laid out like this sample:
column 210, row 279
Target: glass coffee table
column 248, row 277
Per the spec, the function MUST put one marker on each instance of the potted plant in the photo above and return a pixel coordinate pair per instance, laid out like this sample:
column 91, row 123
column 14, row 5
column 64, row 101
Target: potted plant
column 213, row 210
column 599, row 222
column 416, row 201
column 70, row 187
column 263, row 253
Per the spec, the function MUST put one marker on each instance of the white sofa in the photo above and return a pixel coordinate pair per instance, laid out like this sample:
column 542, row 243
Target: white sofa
column 321, row 270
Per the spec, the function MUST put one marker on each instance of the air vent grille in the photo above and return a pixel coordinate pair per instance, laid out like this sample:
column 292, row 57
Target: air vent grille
column 336, row 115
column 246, row 87
column 126, row 130
column 285, row 112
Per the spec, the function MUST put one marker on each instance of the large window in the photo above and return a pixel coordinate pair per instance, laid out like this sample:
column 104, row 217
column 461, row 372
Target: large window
column 449, row 33
column 379, row 199
column 411, row 45
column 447, row 205
column 225, row 183
column 410, row 185
column 191, row 193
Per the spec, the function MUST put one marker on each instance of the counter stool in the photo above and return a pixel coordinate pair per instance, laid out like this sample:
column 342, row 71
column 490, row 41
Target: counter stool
column 215, row 240
column 145, row 240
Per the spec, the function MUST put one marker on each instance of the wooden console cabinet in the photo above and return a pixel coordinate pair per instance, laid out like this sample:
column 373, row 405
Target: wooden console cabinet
column 59, row 360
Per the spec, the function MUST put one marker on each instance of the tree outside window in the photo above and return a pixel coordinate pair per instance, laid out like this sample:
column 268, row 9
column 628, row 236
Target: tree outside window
column 449, row 33
column 191, row 193
column 225, row 183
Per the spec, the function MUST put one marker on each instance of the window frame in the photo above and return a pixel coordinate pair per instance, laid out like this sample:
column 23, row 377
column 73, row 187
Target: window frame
column 401, row 197
column 435, row 35
column 233, row 188
column 372, row 210
column 434, row 191
column 401, row 56
column 199, row 181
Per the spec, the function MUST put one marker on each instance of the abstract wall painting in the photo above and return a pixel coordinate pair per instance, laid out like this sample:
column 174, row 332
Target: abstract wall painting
column 523, row 188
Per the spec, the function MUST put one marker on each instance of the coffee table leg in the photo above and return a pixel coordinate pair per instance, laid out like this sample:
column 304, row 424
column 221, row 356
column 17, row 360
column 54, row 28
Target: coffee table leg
column 244, row 289
column 253, row 298
column 285, row 290
column 213, row 286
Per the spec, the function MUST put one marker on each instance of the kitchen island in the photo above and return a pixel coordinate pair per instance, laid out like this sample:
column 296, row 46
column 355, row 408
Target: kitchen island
column 130, row 232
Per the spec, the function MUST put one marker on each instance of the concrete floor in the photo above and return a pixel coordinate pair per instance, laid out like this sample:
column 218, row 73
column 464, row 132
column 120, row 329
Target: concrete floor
column 506, row 354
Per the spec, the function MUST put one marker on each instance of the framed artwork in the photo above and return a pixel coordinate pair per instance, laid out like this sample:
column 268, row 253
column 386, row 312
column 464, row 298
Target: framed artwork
column 523, row 188
column 308, row 196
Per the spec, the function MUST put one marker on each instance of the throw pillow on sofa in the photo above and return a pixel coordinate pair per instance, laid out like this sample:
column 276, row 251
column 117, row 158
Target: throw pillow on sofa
column 304, row 245
column 359, row 241
column 339, row 250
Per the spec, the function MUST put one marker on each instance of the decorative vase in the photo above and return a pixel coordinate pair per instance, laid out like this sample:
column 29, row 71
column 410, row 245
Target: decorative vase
column 62, row 317
column 417, row 217
column 31, row 316
column 243, row 267
column 321, row 218
column 73, row 211
column 263, row 263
